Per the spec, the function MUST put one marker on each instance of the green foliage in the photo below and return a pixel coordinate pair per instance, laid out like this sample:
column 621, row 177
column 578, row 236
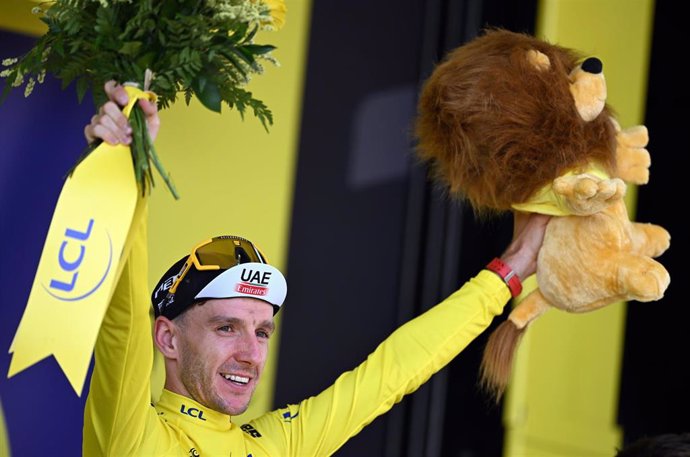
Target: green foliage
column 202, row 48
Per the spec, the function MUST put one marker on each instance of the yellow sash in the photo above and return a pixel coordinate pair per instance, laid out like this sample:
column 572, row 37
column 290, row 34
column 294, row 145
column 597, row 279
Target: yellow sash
column 83, row 255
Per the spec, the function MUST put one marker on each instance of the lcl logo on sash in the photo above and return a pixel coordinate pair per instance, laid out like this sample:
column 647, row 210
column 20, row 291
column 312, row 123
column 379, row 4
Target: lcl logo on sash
column 84, row 262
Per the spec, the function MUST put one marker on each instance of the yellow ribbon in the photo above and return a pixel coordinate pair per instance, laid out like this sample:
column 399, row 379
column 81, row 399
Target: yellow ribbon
column 4, row 441
column 82, row 258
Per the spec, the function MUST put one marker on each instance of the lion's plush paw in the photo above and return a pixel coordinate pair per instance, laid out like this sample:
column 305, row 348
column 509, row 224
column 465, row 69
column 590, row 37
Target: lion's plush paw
column 645, row 279
column 585, row 194
column 632, row 157
column 650, row 239
column 634, row 137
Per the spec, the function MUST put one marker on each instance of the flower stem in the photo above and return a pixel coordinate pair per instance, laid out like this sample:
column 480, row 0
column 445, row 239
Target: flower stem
column 143, row 153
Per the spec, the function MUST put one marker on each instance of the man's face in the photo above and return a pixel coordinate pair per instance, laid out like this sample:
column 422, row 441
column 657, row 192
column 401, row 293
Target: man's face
column 223, row 348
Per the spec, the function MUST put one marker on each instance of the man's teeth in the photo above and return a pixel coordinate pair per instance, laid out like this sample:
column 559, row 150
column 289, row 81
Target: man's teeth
column 235, row 378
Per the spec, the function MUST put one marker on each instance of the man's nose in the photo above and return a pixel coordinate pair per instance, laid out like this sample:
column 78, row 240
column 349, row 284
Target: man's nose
column 249, row 349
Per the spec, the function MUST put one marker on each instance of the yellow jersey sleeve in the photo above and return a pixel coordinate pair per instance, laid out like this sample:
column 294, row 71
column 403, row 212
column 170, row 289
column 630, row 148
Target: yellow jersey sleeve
column 118, row 415
column 320, row 425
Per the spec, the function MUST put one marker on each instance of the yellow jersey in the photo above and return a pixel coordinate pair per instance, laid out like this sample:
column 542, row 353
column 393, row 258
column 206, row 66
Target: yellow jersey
column 121, row 421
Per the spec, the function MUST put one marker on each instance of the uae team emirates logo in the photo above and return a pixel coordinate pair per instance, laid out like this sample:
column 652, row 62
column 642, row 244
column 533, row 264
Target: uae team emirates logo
column 251, row 289
column 253, row 282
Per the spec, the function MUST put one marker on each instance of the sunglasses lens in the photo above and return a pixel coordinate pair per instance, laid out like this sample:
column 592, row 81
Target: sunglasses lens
column 227, row 252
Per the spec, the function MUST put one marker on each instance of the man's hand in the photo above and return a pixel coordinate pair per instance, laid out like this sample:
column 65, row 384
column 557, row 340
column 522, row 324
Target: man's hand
column 528, row 236
column 111, row 125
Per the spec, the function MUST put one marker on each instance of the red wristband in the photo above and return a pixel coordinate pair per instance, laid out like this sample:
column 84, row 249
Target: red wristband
column 507, row 274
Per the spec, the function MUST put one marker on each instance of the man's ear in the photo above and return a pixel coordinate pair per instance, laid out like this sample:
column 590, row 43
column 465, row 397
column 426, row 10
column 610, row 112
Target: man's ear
column 165, row 337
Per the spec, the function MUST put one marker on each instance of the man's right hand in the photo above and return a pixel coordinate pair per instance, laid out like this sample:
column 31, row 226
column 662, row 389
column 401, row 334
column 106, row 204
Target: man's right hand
column 111, row 125
column 528, row 236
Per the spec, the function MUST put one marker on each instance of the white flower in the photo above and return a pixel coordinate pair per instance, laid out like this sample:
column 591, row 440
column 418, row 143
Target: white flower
column 18, row 80
column 270, row 58
column 29, row 87
column 248, row 12
column 8, row 62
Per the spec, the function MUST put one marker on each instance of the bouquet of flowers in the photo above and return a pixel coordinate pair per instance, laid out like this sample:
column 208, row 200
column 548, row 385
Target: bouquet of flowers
column 202, row 48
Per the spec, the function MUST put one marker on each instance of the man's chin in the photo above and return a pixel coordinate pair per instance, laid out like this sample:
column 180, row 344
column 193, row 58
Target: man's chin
column 232, row 403
column 236, row 410
column 233, row 407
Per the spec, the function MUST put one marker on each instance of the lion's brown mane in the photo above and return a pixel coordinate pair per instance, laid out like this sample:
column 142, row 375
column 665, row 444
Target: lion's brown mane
column 496, row 130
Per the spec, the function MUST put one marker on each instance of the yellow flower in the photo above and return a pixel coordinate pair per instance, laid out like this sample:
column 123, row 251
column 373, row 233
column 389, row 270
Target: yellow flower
column 278, row 11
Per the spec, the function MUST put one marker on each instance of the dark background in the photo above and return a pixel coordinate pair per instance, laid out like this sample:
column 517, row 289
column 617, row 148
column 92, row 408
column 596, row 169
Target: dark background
column 655, row 379
column 394, row 245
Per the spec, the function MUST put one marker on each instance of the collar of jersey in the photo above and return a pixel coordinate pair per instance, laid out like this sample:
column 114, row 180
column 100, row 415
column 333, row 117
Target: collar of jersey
column 185, row 409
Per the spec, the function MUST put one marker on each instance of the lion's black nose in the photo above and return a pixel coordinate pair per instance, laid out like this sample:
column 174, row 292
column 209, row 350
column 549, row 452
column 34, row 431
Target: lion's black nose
column 592, row 65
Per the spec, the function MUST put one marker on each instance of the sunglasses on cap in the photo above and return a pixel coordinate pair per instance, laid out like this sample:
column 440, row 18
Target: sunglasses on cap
column 221, row 252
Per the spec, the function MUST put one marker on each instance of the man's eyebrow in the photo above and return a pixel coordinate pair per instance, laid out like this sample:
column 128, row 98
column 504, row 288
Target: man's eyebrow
column 220, row 319
column 268, row 325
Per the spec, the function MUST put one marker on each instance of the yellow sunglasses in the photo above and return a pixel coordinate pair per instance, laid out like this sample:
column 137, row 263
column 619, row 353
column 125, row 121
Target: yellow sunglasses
column 221, row 252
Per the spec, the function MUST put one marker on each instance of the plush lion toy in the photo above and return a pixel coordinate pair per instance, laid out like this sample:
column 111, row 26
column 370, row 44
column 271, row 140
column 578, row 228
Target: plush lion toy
column 513, row 123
